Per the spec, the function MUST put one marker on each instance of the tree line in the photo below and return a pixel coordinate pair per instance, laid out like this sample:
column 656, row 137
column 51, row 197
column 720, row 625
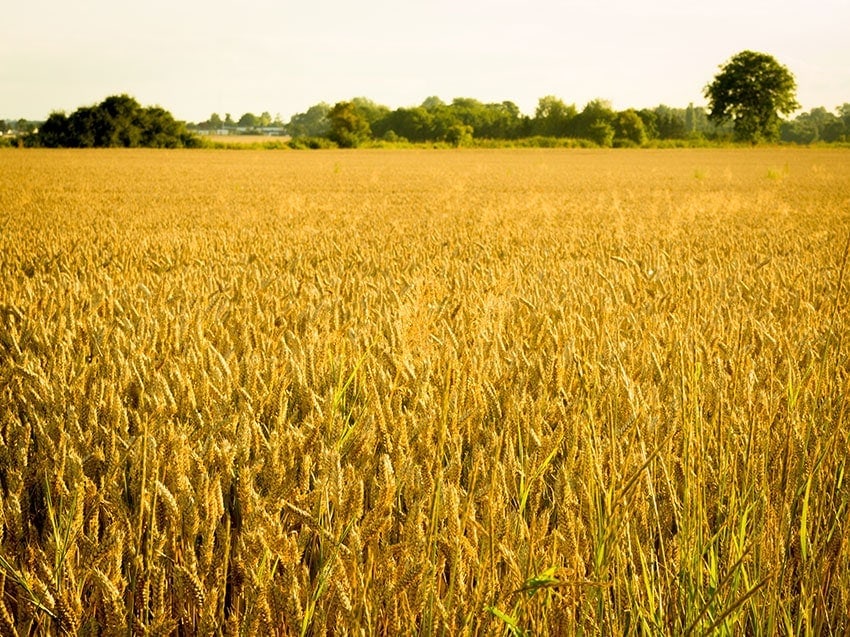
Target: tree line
column 746, row 100
column 120, row 121
column 247, row 122
column 464, row 121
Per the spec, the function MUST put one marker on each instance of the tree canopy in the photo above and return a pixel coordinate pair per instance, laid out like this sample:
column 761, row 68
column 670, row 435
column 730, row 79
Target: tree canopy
column 348, row 126
column 312, row 123
column 118, row 121
column 752, row 90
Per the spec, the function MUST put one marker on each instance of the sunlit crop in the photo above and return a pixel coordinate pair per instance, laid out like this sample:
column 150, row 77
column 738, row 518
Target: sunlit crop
column 424, row 392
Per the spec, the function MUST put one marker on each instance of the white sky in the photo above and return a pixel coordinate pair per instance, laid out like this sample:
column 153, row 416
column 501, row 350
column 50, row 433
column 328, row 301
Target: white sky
column 195, row 57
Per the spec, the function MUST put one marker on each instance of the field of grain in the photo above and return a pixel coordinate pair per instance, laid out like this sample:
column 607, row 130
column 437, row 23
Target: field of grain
column 424, row 392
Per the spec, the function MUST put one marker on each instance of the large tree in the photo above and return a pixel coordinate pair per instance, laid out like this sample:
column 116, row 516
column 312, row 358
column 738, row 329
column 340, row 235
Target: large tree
column 752, row 90
column 629, row 129
column 313, row 123
column 552, row 117
column 118, row 121
column 595, row 122
column 248, row 120
column 348, row 128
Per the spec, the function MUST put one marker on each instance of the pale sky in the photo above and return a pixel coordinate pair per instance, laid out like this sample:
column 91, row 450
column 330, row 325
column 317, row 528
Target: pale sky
column 196, row 57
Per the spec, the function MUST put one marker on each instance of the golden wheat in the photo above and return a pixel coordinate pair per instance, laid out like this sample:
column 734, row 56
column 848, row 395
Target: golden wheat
column 417, row 392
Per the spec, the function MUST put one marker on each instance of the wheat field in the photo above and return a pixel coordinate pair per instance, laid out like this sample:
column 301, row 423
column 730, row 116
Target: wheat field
column 424, row 392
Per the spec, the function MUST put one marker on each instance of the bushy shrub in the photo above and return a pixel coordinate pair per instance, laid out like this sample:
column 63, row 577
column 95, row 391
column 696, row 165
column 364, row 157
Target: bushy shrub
column 119, row 121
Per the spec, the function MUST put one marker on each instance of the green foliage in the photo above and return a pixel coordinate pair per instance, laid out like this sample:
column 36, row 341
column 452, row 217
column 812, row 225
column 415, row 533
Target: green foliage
column 551, row 142
column 414, row 124
column 553, row 116
column 505, row 121
column 392, row 137
column 369, row 110
column 834, row 131
column 460, row 135
column 629, row 129
column 119, row 121
column 752, row 90
column 844, row 114
column 312, row 123
column 436, row 121
column 312, row 143
column 348, row 128
column 601, row 133
column 249, row 120
column 468, row 111
column 469, row 122
column 432, row 103
column 595, row 122
column 815, row 126
column 669, row 124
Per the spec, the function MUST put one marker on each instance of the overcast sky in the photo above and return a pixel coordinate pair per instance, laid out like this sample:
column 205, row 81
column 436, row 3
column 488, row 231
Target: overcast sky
column 196, row 57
